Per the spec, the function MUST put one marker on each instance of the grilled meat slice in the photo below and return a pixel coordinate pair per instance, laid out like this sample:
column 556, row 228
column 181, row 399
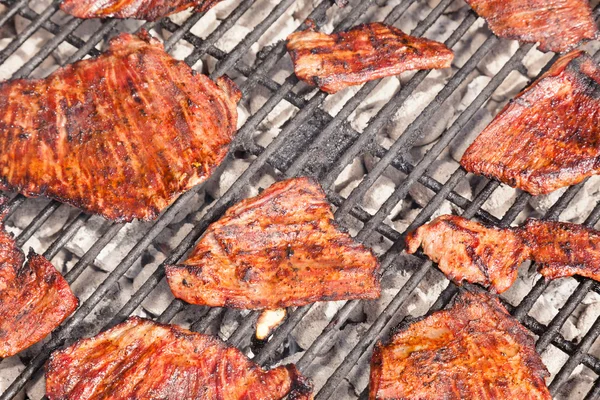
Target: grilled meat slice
column 149, row 10
column 558, row 25
column 472, row 350
column 364, row 53
column 276, row 250
column 121, row 135
column 563, row 249
column 34, row 297
column 549, row 136
column 141, row 359
column 468, row 251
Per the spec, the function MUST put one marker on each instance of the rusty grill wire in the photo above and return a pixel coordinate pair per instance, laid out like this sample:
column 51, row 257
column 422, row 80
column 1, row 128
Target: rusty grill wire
column 313, row 142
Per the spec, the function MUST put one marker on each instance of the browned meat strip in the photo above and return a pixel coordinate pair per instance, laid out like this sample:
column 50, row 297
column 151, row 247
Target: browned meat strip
column 34, row 297
column 121, row 135
column 549, row 136
column 364, row 53
column 563, row 249
column 559, row 25
column 276, row 250
column 141, row 359
column 150, row 10
column 466, row 250
column 472, row 350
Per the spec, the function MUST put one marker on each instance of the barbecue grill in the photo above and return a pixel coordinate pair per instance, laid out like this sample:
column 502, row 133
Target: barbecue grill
column 289, row 129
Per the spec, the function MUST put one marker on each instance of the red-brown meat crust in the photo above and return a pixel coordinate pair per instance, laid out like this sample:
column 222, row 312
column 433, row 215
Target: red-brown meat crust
column 141, row 359
column 563, row 249
column 121, row 135
column 468, row 251
column 559, row 25
column 472, row 350
column 364, row 53
column 276, row 250
column 149, row 10
column 548, row 137
column 34, row 297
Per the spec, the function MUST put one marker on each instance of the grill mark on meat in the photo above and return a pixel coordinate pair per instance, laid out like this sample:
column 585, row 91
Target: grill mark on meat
column 365, row 52
column 278, row 249
column 149, row 10
column 88, row 145
column 34, row 297
column 143, row 359
column 473, row 349
column 558, row 25
column 549, row 136
column 467, row 250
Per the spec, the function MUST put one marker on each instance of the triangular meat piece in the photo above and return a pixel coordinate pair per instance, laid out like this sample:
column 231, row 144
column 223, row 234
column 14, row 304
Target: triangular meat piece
column 548, row 137
column 472, row 350
column 34, row 297
column 278, row 249
column 149, row 10
column 120, row 135
column 558, row 25
column 469, row 251
column 364, row 53
column 141, row 359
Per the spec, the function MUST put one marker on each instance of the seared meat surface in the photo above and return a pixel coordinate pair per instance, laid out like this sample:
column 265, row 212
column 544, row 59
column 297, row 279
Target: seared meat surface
column 149, row 10
column 558, row 25
column 34, row 297
column 468, row 251
column 141, row 359
column 563, row 249
column 278, row 249
column 121, row 135
column 364, row 53
column 548, row 137
column 472, row 350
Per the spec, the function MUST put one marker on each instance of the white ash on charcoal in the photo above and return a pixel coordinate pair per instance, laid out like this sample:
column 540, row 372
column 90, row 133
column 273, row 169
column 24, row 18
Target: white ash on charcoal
column 416, row 103
column 553, row 358
column 371, row 105
column 311, row 326
column 469, row 132
column 10, row 368
column 501, row 199
column 353, row 172
column 35, row 389
column 514, row 83
column 468, row 44
column 590, row 312
column 579, row 208
column 578, row 385
column 500, row 53
column 553, row 298
column 22, row 55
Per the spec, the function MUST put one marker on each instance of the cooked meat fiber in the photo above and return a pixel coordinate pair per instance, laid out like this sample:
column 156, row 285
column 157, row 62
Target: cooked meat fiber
column 276, row 250
column 563, row 249
column 34, row 297
column 548, row 137
column 558, row 25
column 139, row 9
column 472, row 350
column 141, row 359
column 121, row 135
column 468, row 251
column 364, row 53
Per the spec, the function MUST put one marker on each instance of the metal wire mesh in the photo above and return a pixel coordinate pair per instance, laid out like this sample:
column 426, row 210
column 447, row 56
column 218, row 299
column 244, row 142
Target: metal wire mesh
column 312, row 140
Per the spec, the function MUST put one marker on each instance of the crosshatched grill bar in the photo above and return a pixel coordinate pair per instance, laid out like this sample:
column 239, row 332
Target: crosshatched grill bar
column 350, row 206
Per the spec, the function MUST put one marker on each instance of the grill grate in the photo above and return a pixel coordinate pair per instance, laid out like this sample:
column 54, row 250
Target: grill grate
column 319, row 143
